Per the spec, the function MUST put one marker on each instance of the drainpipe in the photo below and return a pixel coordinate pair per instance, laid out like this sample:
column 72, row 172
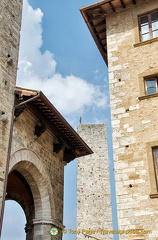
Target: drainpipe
column 9, row 154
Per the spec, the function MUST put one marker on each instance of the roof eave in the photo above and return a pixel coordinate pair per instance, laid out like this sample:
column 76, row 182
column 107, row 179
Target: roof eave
column 99, row 11
column 103, row 53
column 72, row 138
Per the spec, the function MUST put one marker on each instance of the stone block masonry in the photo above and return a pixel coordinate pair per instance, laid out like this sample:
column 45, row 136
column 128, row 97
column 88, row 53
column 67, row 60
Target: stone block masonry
column 33, row 146
column 94, row 210
column 10, row 23
column 43, row 170
column 125, row 32
column 134, row 120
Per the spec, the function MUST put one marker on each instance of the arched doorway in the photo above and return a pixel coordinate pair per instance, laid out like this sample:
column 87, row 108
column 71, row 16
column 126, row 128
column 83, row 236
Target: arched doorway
column 29, row 185
column 14, row 222
column 19, row 190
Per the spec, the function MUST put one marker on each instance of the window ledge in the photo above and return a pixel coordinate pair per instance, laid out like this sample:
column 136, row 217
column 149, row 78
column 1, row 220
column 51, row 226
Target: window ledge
column 155, row 195
column 148, row 96
column 146, row 42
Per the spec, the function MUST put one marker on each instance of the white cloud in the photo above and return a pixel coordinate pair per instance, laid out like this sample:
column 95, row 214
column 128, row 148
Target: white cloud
column 37, row 70
column 32, row 63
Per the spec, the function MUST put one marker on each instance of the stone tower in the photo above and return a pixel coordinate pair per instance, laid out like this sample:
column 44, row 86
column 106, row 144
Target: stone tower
column 36, row 142
column 10, row 23
column 126, row 33
column 94, row 212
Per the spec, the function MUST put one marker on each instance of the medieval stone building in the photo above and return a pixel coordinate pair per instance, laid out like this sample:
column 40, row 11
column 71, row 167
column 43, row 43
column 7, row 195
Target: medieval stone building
column 126, row 33
column 35, row 140
column 94, row 210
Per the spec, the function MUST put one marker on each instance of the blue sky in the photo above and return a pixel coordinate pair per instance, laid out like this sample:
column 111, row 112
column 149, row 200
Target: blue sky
column 59, row 57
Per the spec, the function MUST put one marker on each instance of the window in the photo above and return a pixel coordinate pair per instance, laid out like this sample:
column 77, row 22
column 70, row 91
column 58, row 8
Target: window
column 148, row 25
column 148, row 84
column 151, row 85
column 155, row 158
column 152, row 158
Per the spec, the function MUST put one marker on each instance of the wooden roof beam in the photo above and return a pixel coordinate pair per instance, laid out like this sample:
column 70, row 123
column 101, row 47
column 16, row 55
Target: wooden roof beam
column 39, row 103
column 105, row 51
column 99, row 12
column 90, row 19
column 104, row 44
column 102, row 38
column 123, row 3
column 99, row 24
column 112, row 6
column 101, row 31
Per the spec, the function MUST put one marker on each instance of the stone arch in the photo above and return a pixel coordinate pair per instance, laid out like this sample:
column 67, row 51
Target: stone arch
column 27, row 166
column 19, row 190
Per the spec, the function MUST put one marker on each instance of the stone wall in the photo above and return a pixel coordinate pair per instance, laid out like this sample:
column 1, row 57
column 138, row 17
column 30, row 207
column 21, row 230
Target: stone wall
column 10, row 21
column 43, row 169
column 134, row 119
column 94, row 213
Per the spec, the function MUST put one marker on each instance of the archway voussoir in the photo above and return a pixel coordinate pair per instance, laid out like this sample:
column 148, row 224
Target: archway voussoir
column 32, row 168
